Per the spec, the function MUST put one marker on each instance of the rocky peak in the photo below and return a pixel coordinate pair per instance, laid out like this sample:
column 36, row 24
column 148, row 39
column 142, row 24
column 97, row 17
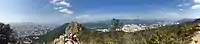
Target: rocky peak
column 73, row 27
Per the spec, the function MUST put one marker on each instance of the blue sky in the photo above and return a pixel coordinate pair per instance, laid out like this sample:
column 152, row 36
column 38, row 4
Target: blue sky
column 60, row 11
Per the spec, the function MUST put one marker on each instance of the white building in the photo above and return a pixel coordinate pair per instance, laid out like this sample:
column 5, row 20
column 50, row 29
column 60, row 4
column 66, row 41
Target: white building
column 131, row 28
column 103, row 30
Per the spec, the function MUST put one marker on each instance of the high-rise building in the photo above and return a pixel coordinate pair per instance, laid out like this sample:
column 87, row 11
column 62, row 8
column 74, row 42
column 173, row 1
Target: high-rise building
column 115, row 24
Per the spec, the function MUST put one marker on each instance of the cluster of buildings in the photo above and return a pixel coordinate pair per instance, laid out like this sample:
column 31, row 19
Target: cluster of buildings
column 27, row 33
column 27, row 30
column 132, row 28
column 117, row 26
column 125, row 28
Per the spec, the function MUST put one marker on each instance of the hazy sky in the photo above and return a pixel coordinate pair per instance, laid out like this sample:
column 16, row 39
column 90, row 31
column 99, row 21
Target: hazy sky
column 60, row 11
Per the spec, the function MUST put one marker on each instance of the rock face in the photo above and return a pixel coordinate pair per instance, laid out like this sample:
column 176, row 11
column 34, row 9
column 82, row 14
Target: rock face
column 60, row 40
column 68, row 38
column 64, row 40
column 73, row 28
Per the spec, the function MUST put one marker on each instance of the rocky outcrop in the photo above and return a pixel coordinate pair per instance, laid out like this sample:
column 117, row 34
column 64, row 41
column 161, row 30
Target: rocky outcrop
column 69, row 37
column 63, row 39
column 60, row 40
column 73, row 28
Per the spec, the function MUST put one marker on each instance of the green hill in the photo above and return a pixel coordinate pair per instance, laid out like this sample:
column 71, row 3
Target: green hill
column 51, row 35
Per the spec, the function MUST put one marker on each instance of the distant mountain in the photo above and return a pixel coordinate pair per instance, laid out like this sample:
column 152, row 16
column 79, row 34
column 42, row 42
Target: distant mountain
column 185, row 20
column 138, row 21
column 100, row 24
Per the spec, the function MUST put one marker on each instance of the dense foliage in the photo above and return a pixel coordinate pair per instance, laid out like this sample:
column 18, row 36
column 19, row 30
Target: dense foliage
column 5, row 33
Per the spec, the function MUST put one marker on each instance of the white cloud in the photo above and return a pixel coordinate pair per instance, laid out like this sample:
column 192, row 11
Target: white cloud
column 195, row 7
column 64, row 3
column 66, row 11
column 181, row 9
column 180, row 5
column 60, row 2
column 62, row 6
column 184, row 4
column 54, row 1
column 197, row 1
column 56, row 8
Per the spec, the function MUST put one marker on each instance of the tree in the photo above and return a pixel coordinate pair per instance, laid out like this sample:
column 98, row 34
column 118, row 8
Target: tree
column 5, row 33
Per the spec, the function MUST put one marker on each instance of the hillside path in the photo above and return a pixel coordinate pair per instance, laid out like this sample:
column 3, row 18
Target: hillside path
column 196, row 38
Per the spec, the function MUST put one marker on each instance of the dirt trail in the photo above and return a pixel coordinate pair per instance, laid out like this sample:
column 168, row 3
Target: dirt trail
column 196, row 39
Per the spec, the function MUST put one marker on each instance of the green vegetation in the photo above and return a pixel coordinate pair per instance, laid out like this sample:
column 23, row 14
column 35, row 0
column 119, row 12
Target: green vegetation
column 50, row 36
column 6, row 34
column 173, row 34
